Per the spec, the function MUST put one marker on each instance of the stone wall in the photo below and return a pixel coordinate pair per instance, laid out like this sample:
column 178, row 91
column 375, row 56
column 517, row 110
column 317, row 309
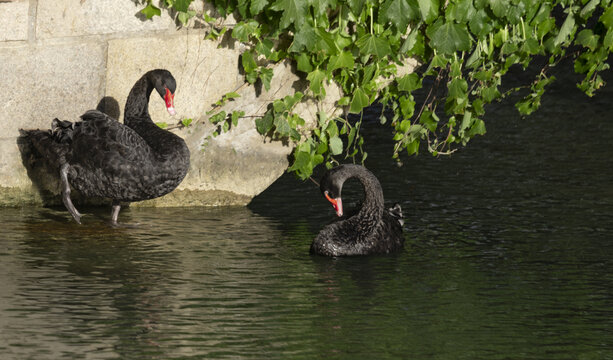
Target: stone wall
column 60, row 58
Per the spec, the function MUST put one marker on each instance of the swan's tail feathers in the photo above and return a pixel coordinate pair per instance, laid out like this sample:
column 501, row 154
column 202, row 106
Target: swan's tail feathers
column 396, row 211
column 44, row 142
column 62, row 131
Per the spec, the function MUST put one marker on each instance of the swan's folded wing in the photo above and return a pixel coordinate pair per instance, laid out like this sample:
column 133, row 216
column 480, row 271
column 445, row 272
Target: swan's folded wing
column 93, row 115
column 102, row 142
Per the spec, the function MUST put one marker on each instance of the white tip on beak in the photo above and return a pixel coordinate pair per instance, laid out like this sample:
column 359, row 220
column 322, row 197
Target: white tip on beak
column 171, row 111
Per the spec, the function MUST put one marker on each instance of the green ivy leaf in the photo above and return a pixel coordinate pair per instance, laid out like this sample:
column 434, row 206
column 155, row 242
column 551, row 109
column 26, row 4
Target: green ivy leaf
column 342, row 60
column 566, row 30
column 235, row 116
column 264, row 124
column 150, row 11
column 181, row 5
column 477, row 128
column 293, row 12
column 370, row 44
column 186, row 122
column 409, row 82
column 336, row 145
column 428, row 10
column 266, row 77
column 231, row 95
column 407, row 106
column 248, row 62
column 281, row 126
column 265, row 48
column 461, row 11
column 305, row 37
column 220, row 116
column 412, row 147
column 316, row 78
column 302, row 164
column 607, row 17
column 587, row 38
column 399, row 13
column 332, row 129
column 499, row 7
column 458, row 88
column 358, row 101
column 257, row 6
column 243, row 30
column 161, row 125
column 303, row 63
column 410, row 42
column 185, row 16
column 252, row 77
column 450, row 37
column 356, row 6
column 290, row 100
column 481, row 24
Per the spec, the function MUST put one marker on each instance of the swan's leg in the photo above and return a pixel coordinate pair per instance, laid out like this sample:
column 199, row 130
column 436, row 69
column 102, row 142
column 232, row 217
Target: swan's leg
column 66, row 194
column 115, row 212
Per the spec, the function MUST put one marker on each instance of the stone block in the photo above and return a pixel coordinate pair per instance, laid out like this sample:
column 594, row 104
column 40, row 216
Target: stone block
column 14, row 20
column 62, row 18
column 43, row 82
column 204, row 73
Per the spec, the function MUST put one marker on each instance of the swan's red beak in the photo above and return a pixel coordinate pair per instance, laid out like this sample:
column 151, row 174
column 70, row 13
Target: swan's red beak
column 337, row 203
column 169, row 98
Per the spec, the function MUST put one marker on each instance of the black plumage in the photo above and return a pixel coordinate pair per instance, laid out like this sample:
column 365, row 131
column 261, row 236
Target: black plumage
column 372, row 230
column 101, row 157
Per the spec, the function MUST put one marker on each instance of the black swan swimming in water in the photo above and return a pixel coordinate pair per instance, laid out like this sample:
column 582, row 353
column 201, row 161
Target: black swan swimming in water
column 100, row 157
column 372, row 230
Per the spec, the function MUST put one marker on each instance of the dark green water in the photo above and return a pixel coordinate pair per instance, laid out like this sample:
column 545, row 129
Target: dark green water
column 509, row 256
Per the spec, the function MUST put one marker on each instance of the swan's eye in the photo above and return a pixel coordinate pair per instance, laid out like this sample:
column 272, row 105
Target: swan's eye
column 327, row 195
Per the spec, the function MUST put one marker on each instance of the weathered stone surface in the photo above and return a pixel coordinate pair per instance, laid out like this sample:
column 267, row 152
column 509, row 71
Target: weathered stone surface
column 49, row 81
column 242, row 161
column 203, row 72
column 61, row 18
column 45, row 82
column 14, row 20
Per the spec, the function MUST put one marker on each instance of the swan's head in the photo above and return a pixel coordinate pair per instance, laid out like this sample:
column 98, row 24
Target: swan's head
column 331, row 185
column 165, row 85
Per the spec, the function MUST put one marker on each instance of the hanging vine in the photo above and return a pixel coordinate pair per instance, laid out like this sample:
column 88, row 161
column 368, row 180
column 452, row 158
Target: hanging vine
column 465, row 46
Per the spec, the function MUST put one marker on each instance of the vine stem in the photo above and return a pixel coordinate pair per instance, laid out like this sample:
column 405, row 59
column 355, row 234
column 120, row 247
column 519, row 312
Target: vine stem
column 371, row 16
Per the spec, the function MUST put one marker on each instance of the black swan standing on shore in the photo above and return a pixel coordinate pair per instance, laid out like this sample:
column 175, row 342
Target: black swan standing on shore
column 100, row 157
column 373, row 230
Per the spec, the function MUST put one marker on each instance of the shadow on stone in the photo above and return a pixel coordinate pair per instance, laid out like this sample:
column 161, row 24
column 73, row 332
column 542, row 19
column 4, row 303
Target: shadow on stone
column 227, row 41
column 109, row 106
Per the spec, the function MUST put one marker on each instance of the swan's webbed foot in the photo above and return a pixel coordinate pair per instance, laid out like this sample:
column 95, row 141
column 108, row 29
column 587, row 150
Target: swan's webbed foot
column 66, row 194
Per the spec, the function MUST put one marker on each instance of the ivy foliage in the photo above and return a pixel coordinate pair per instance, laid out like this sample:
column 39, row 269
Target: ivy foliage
column 465, row 47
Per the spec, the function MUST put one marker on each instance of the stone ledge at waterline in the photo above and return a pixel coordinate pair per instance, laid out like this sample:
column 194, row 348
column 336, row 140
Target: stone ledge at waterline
column 62, row 71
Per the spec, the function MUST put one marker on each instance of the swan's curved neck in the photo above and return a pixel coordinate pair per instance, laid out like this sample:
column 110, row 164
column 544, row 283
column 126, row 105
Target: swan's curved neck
column 137, row 105
column 372, row 207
